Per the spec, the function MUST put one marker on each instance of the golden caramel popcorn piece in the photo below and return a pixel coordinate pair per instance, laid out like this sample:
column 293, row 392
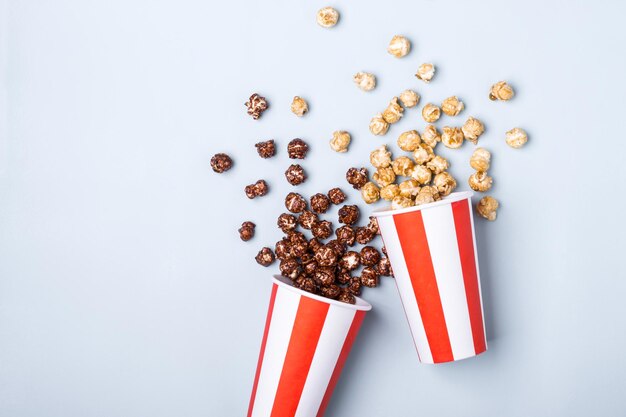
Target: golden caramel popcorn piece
column 480, row 181
column 393, row 112
column 403, row 166
column 380, row 157
column 365, row 81
column 399, row 46
column 452, row 137
column 299, row 106
column 370, row 193
column 452, row 106
column 516, row 138
column 501, row 91
column 427, row 195
column 425, row 72
column 389, row 192
column 409, row 141
column 431, row 113
column 438, row 164
column 340, row 141
column 409, row 188
column 400, row 202
column 384, row 176
column 409, row 98
column 327, row 17
column 378, row 125
column 423, row 154
column 472, row 129
column 487, row 207
column 421, row 174
column 445, row 183
column 431, row 136
column 480, row 159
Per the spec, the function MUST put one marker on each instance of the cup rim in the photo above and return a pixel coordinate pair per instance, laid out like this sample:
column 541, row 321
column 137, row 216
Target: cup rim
column 360, row 304
column 453, row 197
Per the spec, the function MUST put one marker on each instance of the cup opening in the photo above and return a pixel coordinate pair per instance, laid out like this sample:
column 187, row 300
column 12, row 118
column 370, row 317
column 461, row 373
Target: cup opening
column 286, row 283
column 453, row 197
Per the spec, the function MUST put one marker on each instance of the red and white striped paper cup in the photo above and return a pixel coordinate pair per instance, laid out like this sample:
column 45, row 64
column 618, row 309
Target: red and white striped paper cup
column 306, row 342
column 432, row 251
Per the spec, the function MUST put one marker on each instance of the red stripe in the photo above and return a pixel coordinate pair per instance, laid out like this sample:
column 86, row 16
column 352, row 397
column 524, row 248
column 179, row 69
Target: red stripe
column 465, row 239
column 412, row 236
column 268, row 320
column 345, row 350
column 305, row 334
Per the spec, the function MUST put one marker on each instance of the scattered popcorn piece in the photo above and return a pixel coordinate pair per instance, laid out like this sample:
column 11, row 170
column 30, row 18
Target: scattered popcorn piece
column 384, row 176
column 299, row 106
column 340, row 141
column 516, row 138
column 425, row 72
column 480, row 159
column 427, row 195
column 393, row 112
column 438, row 165
column 399, row 46
column 431, row 113
column 409, row 98
column 256, row 105
column 409, row 188
column 480, row 181
column 421, row 174
column 445, row 183
column 380, row 157
column 423, row 154
column 327, row 17
column 378, row 125
column 501, row 91
column 487, row 207
column 452, row 137
column 365, row 81
column 409, row 141
column 370, row 193
column 452, row 106
column 472, row 129
column 389, row 192
column 431, row 136
column 400, row 202
column 403, row 166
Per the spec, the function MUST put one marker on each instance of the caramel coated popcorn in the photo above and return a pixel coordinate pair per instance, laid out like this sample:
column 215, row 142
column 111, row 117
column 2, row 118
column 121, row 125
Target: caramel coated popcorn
column 480, row 181
column 299, row 106
column 380, row 157
column 501, row 91
column 399, row 46
column 403, row 166
column 445, row 183
column 487, row 207
column 452, row 106
column 481, row 159
column 438, row 164
column 409, row 188
column 400, row 202
column 365, row 81
column 340, row 141
column 425, row 72
column 423, row 154
column 409, row 141
column 393, row 112
column 378, row 125
column 452, row 137
column 327, row 17
column 431, row 136
column 384, row 176
column 472, row 129
column 516, row 138
column 421, row 174
column 388, row 192
column 370, row 193
column 431, row 113
column 409, row 98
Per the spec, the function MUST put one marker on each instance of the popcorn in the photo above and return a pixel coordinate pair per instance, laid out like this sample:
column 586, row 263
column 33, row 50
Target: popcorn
column 370, row 193
column 380, row 157
column 349, row 214
column 399, row 46
column 350, row 261
column 340, row 141
column 378, row 125
column 295, row 203
column 369, row 256
column 384, row 176
column 220, row 162
column 346, row 297
column 364, row 235
column 501, row 91
column 388, row 192
column 431, row 113
column 438, row 165
column 431, row 136
column 393, row 112
column 297, row 149
column 409, row 98
column 265, row 257
column 258, row 189
column 289, row 268
column 369, row 277
column 266, row 149
column 403, row 166
column 299, row 106
column 246, row 231
column 409, row 188
column 421, row 174
column 307, row 219
column 425, row 72
column 283, row 249
column 452, row 106
column 409, row 141
column 423, row 154
column 365, row 81
column 327, row 17
column 320, row 203
column 452, row 137
column 384, row 267
column 322, row 229
column 346, row 235
column 256, row 105
column 356, row 177
column 336, row 196
column 286, row 222
column 472, row 129
column 295, row 174
column 354, row 286
column 445, row 183
column 400, row 202
column 330, row 291
column 487, row 207
column 481, row 159
column 480, row 181
column 516, row 138
column 426, row 195
column 326, row 256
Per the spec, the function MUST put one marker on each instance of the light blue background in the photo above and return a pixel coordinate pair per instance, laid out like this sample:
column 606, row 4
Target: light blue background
column 124, row 288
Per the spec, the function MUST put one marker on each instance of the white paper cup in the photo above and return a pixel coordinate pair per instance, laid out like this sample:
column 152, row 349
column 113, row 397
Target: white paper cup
column 306, row 342
column 432, row 251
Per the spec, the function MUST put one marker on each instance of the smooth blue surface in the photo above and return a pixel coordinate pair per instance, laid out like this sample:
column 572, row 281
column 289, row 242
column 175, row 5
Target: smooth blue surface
column 124, row 288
